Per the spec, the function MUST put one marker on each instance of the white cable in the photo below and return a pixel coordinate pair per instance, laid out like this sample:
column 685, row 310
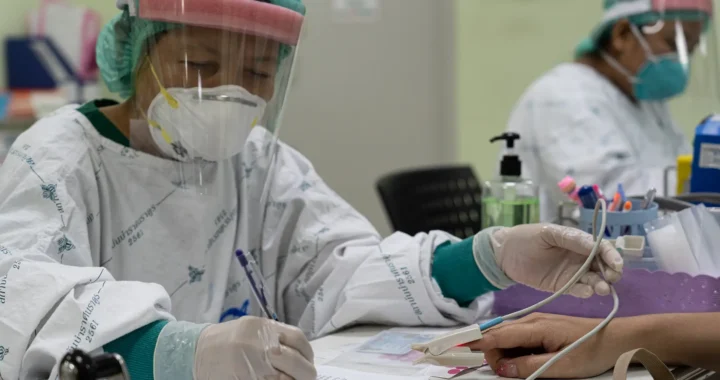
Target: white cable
column 559, row 355
column 598, row 236
column 616, row 302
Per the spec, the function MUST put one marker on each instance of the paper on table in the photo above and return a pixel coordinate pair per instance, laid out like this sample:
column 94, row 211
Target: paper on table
column 436, row 372
column 323, row 357
column 389, row 353
column 486, row 373
column 378, row 362
column 334, row 373
column 393, row 342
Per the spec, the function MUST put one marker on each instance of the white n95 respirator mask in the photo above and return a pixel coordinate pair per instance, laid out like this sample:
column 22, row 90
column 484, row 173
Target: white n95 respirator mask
column 208, row 123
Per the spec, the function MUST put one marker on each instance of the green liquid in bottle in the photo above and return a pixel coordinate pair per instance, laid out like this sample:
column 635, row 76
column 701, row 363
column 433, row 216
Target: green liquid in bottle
column 508, row 213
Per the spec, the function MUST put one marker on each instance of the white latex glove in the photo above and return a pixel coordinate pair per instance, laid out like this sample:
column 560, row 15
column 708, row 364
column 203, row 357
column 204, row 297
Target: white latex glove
column 545, row 257
column 253, row 348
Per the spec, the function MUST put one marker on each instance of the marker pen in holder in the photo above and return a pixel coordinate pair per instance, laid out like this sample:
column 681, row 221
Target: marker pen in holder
column 598, row 192
column 621, row 190
column 587, row 197
column 615, row 205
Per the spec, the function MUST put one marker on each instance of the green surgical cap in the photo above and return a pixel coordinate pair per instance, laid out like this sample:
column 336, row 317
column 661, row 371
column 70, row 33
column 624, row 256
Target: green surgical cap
column 614, row 11
column 121, row 42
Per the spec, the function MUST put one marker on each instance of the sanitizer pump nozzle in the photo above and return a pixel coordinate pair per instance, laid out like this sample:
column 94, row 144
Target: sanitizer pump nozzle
column 510, row 166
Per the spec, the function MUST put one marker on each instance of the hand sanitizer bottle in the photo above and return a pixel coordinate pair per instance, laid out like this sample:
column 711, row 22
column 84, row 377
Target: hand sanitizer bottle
column 510, row 200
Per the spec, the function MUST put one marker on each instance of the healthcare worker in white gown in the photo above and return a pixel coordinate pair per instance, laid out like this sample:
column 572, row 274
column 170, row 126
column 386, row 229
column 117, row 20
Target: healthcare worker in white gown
column 119, row 222
column 604, row 118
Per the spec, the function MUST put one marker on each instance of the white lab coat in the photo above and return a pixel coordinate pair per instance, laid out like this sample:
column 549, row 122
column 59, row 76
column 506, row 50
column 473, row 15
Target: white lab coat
column 573, row 121
column 96, row 241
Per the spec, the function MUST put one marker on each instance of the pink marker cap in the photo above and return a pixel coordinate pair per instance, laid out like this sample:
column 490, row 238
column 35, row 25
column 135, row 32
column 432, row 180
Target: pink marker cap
column 567, row 185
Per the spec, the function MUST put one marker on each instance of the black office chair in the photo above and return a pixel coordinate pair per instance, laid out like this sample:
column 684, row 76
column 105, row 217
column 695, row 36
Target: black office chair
column 440, row 198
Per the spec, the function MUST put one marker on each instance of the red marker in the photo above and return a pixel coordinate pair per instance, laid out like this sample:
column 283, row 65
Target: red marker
column 599, row 192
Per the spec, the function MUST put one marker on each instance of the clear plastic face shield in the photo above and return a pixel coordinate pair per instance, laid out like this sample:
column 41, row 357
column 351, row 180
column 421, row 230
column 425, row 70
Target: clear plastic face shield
column 673, row 38
column 211, row 77
column 682, row 54
column 702, row 95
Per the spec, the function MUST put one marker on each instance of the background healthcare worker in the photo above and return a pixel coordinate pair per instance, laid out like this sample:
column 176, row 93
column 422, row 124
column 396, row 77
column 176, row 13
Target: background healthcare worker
column 517, row 349
column 603, row 119
column 119, row 221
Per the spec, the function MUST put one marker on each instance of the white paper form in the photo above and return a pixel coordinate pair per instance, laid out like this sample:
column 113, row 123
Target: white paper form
column 389, row 352
column 335, row 373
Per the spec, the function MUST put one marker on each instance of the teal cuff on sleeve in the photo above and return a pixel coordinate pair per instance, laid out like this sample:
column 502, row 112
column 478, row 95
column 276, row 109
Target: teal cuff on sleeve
column 456, row 272
column 138, row 349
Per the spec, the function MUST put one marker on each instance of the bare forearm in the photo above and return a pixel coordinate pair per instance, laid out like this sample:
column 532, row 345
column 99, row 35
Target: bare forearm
column 678, row 339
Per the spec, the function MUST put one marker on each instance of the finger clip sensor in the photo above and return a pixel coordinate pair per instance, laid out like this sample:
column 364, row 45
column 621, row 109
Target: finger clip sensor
column 447, row 350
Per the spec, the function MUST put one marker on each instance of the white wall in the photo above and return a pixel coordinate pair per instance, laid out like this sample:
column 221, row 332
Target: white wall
column 370, row 98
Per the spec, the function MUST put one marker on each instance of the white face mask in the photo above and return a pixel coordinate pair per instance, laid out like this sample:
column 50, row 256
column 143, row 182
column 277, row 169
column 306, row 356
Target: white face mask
column 209, row 123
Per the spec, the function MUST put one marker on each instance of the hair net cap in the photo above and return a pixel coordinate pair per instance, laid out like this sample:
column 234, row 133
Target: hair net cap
column 121, row 41
column 641, row 12
column 118, row 49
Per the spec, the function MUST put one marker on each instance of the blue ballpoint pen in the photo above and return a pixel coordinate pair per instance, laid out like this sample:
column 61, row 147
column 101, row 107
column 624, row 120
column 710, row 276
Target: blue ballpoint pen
column 621, row 191
column 256, row 283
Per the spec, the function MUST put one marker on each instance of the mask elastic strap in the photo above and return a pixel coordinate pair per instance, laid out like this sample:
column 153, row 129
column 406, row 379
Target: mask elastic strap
column 157, row 126
column 643, row 42
column 620, row 68
column 171, row 101
column 617, row 66
column 169, row 98
column 680, row 42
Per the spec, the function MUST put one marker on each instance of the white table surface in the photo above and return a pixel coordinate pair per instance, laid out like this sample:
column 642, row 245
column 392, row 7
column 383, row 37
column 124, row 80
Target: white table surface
column 327, row 348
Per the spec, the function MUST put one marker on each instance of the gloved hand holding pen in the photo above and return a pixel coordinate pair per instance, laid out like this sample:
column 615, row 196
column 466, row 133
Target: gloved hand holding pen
column 246, row 348
column 542, row 256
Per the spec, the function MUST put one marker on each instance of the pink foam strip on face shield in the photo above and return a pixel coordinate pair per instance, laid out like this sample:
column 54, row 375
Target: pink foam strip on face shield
column 242, row 16
column 683, row 5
